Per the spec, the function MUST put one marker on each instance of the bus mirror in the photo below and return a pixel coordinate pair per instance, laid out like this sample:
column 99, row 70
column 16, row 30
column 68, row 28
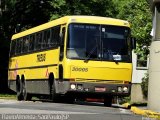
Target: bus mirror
column 133, row 43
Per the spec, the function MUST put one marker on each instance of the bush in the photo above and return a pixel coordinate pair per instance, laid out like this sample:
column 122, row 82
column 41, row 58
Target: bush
column 144, row 85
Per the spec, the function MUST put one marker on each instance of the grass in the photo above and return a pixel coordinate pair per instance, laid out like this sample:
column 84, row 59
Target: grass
column 7, row 96
column 13, row 97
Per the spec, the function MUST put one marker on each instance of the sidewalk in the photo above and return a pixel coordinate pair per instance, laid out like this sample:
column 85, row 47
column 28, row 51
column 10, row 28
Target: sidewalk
column 7, row 101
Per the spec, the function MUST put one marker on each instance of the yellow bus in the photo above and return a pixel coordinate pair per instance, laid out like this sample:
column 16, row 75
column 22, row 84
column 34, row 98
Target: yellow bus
column 72, row 57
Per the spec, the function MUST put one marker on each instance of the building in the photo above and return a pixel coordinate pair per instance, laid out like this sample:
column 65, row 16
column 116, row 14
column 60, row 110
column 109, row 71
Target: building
column 140, row 68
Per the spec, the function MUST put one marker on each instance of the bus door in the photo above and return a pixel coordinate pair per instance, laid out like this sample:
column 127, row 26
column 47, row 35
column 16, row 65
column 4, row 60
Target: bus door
column 61, row 55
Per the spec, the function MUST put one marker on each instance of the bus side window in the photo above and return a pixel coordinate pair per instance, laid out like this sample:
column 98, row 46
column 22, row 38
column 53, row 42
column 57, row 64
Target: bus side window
column 32, row 42
column 46, row 38
column 19, row 46
column 13, row 48
column 25, row 46
column 55, row 36
column 39, row 41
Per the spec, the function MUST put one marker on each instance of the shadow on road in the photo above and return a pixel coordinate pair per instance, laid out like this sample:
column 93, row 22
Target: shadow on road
column 80, row 102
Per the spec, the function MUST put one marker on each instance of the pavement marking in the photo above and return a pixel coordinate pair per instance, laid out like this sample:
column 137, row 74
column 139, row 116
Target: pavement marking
column 35, row 111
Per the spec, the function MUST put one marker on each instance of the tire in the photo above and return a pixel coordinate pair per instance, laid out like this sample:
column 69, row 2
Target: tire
column 25, row 95
column 108, row 101
column 19, row 88
column 53, row 95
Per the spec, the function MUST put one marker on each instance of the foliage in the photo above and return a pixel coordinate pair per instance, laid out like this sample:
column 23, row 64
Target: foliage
column 5, row 28
column 26, row 14
column 138, row 13
column 81, row 7
column 123, row 100
column 144, row 85
column 7, row 96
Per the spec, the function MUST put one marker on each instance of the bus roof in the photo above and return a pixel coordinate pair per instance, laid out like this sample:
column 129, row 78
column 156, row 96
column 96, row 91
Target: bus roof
column 73, row 19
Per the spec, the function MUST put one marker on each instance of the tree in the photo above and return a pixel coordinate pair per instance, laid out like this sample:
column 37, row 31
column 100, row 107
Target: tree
column 138, row 13
column 27, row 13
column 81, row 7
column 22, row 13
column 5, row 29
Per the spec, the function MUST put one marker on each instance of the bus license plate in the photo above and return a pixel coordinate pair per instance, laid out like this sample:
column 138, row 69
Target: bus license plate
column 100, row 89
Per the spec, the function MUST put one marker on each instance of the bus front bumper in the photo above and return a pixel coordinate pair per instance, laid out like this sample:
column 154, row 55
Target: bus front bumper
column 101, row 90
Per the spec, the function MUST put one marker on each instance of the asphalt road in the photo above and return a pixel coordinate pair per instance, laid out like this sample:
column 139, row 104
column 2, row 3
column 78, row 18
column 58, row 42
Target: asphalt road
column 12, row 109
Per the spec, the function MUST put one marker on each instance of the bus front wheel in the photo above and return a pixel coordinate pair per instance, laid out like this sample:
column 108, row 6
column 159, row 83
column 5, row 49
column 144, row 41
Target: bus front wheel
column 53, row 94
column 108, row 101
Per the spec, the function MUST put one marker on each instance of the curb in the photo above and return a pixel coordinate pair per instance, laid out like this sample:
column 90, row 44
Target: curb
column 138, row 111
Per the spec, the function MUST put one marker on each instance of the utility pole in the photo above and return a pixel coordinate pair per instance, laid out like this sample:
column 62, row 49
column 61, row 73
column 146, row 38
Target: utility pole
column 154, row 65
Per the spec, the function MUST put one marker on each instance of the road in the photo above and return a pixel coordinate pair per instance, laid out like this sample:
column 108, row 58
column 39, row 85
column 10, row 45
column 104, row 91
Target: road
column 12, row 109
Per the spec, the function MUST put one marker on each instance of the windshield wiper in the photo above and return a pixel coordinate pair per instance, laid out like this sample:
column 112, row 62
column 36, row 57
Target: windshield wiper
column 90, row 53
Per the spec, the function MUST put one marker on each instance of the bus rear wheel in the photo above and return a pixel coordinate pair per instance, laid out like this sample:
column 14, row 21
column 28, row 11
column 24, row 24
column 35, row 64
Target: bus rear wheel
column 19, row 88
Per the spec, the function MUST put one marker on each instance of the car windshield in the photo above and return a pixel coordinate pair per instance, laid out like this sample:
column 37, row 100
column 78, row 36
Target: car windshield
column 99, row 42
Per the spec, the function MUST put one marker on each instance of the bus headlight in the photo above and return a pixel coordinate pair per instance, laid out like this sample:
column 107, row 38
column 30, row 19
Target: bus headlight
column 73, row 86
column 125, row 89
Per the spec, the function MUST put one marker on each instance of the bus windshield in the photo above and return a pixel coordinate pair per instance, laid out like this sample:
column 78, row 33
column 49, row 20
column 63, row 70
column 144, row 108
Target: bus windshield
column 99, row 42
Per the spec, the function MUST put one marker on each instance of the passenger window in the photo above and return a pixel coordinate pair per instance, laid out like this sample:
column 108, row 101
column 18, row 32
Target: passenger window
column 46, row 38
column 19, row 46
column 55, row 36
column 39, row 41
column 13, row 48
column 26, row 41
column 32, row 42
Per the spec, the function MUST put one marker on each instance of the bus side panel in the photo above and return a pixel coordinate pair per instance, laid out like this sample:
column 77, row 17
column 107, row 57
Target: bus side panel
column 36, row 69
column 12, row 85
